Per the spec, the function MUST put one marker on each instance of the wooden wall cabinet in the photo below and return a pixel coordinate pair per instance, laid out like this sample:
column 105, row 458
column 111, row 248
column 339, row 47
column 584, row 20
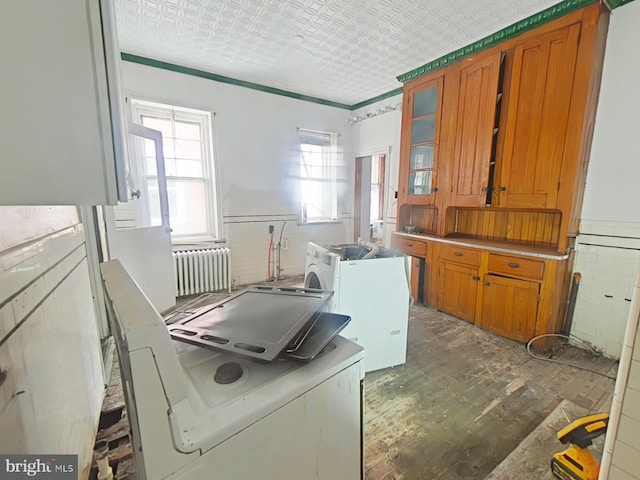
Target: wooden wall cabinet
column 540, row 98
column 513, row 128
column 62, row 128
column 475, row 129
column 420, row 145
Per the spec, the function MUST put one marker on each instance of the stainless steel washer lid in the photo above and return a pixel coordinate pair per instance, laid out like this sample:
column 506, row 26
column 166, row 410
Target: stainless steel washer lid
column 257, row 323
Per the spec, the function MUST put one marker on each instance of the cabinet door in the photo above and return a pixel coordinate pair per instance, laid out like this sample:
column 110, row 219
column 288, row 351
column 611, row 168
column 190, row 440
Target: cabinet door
column 475, row 130
column 509, row 307
column 417, row 279
column 457, row 289
column 420, row 142
column 56, row 130
column 537, row 119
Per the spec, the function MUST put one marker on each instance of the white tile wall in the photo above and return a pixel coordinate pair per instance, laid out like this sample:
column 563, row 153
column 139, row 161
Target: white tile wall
column 248, row 239
column 49, row 348
column 616, row 474
column 625, row 453
column 607, row 256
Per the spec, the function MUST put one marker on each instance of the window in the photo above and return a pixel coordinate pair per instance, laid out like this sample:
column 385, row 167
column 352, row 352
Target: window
column 188, row 155
column 318, row 176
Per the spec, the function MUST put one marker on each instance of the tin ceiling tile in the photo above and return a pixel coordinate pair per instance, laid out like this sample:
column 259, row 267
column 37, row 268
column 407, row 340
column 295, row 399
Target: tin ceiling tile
column 341, row 51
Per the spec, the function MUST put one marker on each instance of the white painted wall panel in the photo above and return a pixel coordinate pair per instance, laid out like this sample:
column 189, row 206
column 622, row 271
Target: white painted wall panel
column 49, row 344
column 256, row 150
column 612, row 191
column 379, row 132
column 612, row 195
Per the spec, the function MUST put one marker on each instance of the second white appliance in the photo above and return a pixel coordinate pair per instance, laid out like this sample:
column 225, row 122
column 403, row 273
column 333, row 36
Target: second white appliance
column 197, row 414
column 372, row 288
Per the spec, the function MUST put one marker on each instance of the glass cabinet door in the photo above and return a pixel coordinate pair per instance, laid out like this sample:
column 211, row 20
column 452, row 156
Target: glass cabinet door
column 425, row 108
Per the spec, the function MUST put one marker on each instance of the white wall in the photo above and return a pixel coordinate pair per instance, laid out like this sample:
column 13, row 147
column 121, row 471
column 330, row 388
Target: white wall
column 610, row 218
column 608, row 255
column 256, row 142
column 610, row 211
column 49, row 344
column 378, row 133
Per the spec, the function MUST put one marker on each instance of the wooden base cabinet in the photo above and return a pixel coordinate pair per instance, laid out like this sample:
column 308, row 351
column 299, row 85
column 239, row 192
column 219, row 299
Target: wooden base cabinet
column 458, row 278
column 510, row 307
column 514, row 295
column 417, row 279
column 458, row 290
column 418, row 252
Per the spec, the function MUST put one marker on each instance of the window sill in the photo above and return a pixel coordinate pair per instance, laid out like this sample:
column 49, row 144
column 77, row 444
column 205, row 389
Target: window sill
column 195, row 243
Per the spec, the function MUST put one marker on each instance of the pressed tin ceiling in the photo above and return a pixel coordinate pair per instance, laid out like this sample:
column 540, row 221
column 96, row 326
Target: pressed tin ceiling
column 345, row 51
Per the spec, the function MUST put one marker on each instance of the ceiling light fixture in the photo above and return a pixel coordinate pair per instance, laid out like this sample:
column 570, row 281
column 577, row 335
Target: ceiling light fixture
column 379, row 111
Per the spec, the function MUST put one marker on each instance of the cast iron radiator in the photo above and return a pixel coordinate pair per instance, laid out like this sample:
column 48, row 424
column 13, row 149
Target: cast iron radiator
column 200, row 271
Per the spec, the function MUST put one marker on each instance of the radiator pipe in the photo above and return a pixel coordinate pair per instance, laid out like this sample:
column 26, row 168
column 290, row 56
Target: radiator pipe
column 571, row 306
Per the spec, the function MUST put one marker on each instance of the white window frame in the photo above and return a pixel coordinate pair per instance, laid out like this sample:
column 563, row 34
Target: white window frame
column 214, row 233
column 329, row 176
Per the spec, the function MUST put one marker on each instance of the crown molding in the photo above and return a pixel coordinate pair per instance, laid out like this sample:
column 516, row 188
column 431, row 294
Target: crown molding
column 511, row 31
column 128, row 57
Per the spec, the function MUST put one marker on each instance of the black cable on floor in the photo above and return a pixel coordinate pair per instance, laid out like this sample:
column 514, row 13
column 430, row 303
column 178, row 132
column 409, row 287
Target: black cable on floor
column 568, row 337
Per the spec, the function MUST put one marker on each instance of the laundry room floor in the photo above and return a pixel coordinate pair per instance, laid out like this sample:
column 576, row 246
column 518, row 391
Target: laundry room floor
column 465, row 400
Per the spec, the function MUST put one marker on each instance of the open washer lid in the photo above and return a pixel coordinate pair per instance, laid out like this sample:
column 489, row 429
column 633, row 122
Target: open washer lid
column 257, row 323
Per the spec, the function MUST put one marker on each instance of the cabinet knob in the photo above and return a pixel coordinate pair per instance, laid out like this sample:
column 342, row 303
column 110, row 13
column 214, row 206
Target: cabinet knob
column 513, row 265
column 487, row 284
column 502, row 189
column 458, row 254
column 409, row 244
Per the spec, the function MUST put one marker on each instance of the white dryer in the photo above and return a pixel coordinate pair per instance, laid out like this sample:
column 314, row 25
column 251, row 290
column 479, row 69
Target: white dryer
column 372, row 287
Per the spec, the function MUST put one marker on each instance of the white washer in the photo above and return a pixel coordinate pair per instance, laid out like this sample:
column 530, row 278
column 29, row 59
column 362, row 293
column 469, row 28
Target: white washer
column 374, row 292
column 321, row 268
column 277, row 420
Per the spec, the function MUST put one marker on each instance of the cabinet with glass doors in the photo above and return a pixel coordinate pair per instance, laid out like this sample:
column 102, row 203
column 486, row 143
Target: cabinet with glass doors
column 420, row 139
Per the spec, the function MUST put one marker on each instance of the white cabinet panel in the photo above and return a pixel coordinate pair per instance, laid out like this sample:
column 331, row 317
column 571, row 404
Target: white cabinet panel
column 56, row 131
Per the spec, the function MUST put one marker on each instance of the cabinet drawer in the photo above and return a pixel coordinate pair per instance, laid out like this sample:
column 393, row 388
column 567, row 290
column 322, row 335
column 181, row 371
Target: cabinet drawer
column 467, row 256
column 522, row 267
column 409, row 246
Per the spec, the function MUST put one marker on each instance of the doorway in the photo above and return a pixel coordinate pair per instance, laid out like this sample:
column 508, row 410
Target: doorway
column 369, row 197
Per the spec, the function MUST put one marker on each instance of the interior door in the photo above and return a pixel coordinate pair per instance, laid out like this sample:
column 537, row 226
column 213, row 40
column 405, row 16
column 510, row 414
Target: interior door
column 362, row 197
column 138, row 231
